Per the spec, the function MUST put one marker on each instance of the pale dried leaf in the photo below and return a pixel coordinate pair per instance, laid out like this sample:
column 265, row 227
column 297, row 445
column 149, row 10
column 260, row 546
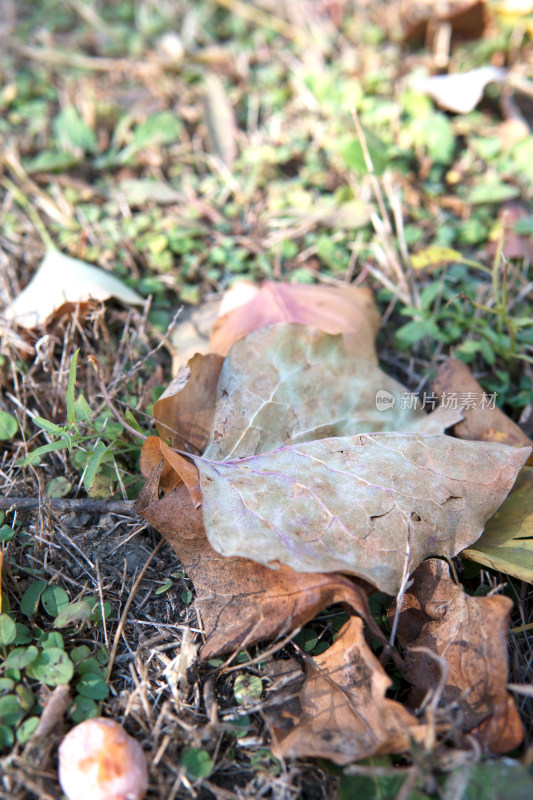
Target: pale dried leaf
column 62, row 280
column 220, row 119
column 139, row 191
column 460, row 92
column 286, row 384
column 191, row 333
column 374, row 506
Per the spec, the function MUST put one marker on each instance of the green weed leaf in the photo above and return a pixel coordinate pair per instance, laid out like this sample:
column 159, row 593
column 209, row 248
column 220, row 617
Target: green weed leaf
column 6, row 533
column 198, row 763
column 11, row 711
column 93, row 465
column 92, row 685
column 83, row 708
column 82, row 410
column 7, row 737
column 46, row 425
column 54, row 600
column 30, row 598
column 72, row 132
column 8, row 426
column 52, row 667
column 25, row 731
column 34, row 457
column 8, row 630
column 21, row 657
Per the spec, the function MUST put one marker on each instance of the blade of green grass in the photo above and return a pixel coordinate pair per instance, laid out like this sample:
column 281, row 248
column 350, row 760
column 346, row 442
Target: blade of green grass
column 71, row 410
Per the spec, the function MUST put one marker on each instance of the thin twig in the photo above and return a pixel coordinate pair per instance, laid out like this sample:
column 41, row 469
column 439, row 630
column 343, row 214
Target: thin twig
column 266, row 654
column 56, row 58
column 122, row 620
column 74, row 504
column 99, row 372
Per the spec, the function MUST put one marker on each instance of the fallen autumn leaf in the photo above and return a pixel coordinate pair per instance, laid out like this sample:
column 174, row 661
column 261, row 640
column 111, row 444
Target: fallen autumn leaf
column 470, row 633
column 241, row 602
column 340, row 711
column 481, row 420
column 373, row 506
column 349, row 310
column 286, row 384
column 62, row 280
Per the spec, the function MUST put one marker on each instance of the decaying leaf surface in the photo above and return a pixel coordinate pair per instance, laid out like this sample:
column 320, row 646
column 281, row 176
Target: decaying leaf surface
column 481, row 421
column 340, row 711
column 470, row 633
column 184, row 412
column 507, row 541
column 502, row 731
column 350, row 311
column 286, row 384
column 239, row 601
column 62, row 280
column 374, row 506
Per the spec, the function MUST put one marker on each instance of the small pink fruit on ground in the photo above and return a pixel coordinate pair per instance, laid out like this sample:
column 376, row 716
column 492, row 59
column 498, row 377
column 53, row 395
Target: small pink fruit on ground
column 98, row 760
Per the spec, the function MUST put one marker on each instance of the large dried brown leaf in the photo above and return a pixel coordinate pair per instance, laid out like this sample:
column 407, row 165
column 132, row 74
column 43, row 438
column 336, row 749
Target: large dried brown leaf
column 350, row 311
column 455, row 382
column 184, row 412
column 239, row 601
column 506, row 542
column 470, row 633
column 286, row 384
column 183, row 415
column 373, row 506
column 340, row 712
